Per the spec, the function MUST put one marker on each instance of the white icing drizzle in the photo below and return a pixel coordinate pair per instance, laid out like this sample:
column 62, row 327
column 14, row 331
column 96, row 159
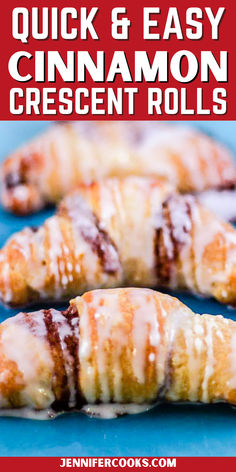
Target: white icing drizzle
column 35, row 320
column 37, row 266
column 109, row 320
column 193, row 272
column 145, row 316
column 86, row 258
column 91, row 164
column 55, row 252
column 85, row 348
column 167, row 241
column 175, row 229
column 179, row 319
column 161, row 143
column 30, row 355
column 194, row 347
column 136, row 252
column 78, row 152
column 132, row 201
column 7, row 294
column 180, row 219
column 113, row 410
column 107, row 325
column 136, row 200
column 107, row 209
column 64, row 164
column 220, row 335
column 30, row 413
column 22, row 241
column 210, row 358
column 102, row 411
column 65, row 330
column 104, row 327
column 204, row 235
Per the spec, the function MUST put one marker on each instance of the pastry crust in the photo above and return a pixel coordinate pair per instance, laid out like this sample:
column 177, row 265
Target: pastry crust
column 48, row 167
column 120, row 232
column 122, row 346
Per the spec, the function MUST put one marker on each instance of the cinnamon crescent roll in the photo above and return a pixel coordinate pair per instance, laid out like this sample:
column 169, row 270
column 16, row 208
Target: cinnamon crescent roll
column 112, row 352
column 121, row 232
column 48, row 167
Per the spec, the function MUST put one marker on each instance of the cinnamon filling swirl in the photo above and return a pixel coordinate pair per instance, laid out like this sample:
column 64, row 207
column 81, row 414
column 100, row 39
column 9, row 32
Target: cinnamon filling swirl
column 173, row 227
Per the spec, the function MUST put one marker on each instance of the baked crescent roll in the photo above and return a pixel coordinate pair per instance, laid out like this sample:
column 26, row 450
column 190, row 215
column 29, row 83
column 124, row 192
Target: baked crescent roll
column 48, row 167
column 115, row 351
column 121, row 232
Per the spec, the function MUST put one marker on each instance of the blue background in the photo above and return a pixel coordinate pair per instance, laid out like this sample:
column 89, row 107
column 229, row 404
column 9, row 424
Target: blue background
column 166, row 430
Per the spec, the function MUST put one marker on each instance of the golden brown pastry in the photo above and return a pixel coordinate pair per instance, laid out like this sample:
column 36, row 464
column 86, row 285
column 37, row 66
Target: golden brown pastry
column 132, row 231
column 48, row 167
column 115, row 351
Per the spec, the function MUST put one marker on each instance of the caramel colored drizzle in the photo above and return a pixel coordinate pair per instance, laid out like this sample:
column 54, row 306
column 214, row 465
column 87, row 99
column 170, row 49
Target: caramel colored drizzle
column 123, row 349
column 118, row 347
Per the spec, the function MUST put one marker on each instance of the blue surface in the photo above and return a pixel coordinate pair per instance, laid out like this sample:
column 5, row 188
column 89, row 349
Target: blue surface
column 167, row 430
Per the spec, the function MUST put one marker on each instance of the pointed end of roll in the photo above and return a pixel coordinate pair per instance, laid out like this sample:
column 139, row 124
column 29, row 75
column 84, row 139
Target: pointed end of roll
column 14, row 290
column 22, row 199
column 18, row 194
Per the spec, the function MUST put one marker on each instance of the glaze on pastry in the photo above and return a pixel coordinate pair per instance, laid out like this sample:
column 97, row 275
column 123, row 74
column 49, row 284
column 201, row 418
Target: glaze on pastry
column 121, row 232
column 48, row 167
column 115, row 351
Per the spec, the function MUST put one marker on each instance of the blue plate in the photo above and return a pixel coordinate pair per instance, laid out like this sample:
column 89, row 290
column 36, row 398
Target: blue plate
column 167, row 430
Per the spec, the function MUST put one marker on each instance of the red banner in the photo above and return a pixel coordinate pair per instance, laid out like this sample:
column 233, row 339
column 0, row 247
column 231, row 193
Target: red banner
column 118, row 464
column 118, row 60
